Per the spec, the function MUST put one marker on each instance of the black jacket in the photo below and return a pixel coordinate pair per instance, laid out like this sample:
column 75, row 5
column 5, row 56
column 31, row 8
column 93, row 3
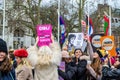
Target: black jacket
column 81, row 69
column 110, row 74
column 69, row 72
column 74, row 71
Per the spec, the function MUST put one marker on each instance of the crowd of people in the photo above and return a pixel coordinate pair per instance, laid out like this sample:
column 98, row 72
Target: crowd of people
column 43, row 63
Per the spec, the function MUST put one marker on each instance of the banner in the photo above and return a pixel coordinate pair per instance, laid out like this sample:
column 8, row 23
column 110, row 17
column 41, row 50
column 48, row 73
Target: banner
column 75, row 40
column 108, row 44
column 44, row 32
column 95, row 41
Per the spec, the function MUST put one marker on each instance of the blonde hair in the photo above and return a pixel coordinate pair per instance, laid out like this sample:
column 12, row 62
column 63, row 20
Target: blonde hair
column 44, row 56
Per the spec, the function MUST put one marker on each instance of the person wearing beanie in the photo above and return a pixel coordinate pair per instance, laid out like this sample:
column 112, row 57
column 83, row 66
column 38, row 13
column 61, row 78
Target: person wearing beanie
column 7, row 72
column 23, row 70
column 45, row 60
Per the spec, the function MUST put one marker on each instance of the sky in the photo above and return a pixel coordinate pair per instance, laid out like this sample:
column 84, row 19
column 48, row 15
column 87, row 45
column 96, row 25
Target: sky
column 114, row 3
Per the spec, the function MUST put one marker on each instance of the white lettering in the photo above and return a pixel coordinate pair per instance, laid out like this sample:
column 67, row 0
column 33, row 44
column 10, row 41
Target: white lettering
column 44, row 28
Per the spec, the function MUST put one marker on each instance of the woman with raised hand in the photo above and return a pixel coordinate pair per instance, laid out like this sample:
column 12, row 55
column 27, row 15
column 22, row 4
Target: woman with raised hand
column 7, row 71
column 45, row 60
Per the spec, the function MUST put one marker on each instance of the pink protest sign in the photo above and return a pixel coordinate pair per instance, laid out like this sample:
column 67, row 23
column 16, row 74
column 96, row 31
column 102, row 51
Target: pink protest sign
column 44, row 32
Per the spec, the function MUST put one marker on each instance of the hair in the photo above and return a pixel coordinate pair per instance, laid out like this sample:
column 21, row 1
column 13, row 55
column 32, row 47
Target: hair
column 12, row 56
column 70, row 36
column 78, row 49
column 6, row 65
column 96, row 65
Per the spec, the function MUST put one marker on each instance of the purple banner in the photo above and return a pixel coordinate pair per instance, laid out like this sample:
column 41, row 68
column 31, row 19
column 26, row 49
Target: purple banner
column 44, row 32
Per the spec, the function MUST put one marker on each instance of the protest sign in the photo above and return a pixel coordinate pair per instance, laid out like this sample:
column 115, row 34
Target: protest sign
column 62, row 67
column 44, row 33
column 95, row 41
column 75, row 40
column 108, row 44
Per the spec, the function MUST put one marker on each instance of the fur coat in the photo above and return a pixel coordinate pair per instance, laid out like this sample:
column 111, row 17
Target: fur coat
column 45, row 61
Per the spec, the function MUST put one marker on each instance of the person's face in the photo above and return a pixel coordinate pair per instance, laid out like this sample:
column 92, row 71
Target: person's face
column 18, row 59
column 78, row 53
column 72, row 40
column 95, row 55
column 2, row 56
column 116, row 64
column 67, row 60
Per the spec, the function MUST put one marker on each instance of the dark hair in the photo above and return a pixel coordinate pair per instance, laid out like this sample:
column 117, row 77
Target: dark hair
column 12, row 56
column 5, row 65
column 78, row 49
column 70, row 36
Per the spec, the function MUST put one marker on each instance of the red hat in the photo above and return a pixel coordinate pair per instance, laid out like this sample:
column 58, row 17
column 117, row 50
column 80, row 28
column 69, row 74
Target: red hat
column 20, row 53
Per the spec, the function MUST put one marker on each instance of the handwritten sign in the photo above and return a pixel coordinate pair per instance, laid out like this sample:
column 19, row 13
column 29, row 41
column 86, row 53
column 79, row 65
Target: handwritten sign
column 44, row 32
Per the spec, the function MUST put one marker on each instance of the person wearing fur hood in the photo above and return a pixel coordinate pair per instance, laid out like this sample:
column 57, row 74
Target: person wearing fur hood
column 45, row 60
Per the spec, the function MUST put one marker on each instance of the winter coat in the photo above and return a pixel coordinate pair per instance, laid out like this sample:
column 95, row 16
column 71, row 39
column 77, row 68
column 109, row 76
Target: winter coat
column 69, row 72
column 8, row 76
column 24, row 72
column 110, row 73
column 45, row 65
column 81, row 69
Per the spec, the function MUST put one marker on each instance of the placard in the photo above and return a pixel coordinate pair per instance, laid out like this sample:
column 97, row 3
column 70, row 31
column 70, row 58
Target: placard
column 44, row 33
column 75, row 40
column 108, row 44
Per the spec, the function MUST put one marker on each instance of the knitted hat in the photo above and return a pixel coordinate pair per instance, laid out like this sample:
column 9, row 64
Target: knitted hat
column 102, row 53
column 3, row 46
column 21, row 53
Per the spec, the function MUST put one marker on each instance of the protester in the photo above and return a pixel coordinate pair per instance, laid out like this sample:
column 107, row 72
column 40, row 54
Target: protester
column 23, row 70
column 68, row 72
column 95, row 68
column 13, row 60
column 7, row 72
column 109, row 73
column 80, row 64
column 45, row 60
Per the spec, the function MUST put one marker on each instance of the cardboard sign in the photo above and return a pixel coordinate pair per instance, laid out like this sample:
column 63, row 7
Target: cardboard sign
column 75, row 40
column 95, row 41
column 62, row 67
column 108, row 44
column 44, row 32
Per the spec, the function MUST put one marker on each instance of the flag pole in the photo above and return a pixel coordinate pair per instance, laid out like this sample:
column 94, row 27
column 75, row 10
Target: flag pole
column 3, row 32
column 88, row 17
column 58, row 19
column 110, row 19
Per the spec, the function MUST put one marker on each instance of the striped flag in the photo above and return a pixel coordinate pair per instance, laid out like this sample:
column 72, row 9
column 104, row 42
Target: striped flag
column 106, row 25
column 63, row 30
column 89, row 25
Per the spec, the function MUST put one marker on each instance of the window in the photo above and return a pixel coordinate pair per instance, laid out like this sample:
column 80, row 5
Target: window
column 18, row 33
column 116, row 20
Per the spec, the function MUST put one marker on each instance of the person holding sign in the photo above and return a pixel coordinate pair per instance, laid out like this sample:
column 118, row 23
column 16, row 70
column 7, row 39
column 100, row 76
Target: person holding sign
column 45, row 60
